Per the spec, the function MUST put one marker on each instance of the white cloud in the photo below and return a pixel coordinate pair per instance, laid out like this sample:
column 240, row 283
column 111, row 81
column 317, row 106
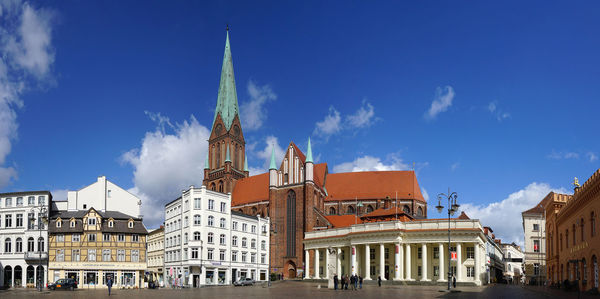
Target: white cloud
column 26, row 56
column 370, row 163
column 562, row 155
column 492, row 107
column 330, row 125
column 425, row 194
column 592, row 156
column 167, row 163
column 504, row 217
column 443, row 100
column 253, row 112
column 498, row 113
column 363, row 117
column 265, row 155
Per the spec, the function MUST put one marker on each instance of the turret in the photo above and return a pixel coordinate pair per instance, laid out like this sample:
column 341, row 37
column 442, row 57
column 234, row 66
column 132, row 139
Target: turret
column 273, row 170
column 309, row 163
column 246, row 170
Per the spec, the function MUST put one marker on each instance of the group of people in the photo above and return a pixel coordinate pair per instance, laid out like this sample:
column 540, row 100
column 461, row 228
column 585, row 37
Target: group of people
column 354, row 281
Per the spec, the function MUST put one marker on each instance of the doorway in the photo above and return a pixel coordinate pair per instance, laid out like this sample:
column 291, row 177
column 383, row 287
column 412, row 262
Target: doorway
column 387, row 272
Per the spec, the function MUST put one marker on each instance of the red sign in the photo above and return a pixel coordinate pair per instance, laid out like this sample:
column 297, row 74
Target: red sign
column 535, row 246
column 353, row 250
column 453, row 256
column 397, row 248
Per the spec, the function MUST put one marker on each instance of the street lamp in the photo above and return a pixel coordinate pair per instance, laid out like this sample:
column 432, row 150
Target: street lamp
column 42, row 219
column 272, row 231
column 452, row 208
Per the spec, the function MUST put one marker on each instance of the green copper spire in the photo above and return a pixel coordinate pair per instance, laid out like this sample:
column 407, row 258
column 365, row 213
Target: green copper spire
column 227, row 103
column 228, row 156
column 273, row 165
column 206, row 166
column 246, row 164
column 309, row 153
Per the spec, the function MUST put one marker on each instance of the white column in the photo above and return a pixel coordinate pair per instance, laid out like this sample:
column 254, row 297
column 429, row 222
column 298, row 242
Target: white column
column 424, row 262
column 476, row 249
column 367, row 262
column 353, row 260
column 382, row 261
column 458, row 262
column 317, row 276
column 326, row 259
column 397, row 265
column 339, row 262
column 408, row 265
column 307, row 264
column 442, row 264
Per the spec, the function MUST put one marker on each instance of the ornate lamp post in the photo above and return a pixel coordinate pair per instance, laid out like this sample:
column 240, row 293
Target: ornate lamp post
column 452, row 208
column 42, row 220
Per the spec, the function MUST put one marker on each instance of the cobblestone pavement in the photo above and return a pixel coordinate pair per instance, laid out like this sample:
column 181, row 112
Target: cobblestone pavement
column 297, row 290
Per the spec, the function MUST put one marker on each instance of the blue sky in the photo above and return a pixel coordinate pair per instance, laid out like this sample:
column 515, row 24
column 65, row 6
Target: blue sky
column 496, row 101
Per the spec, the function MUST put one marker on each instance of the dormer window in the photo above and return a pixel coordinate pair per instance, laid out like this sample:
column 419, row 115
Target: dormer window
column 58, row 223
column 130, row 224
column 111, row 223
column 72, row 223
column 91, row 221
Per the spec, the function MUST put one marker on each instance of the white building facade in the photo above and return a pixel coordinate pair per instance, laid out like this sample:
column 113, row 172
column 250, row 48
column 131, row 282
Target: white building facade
column 412, row 251
column 103, row 195
column 23, row 245
column 513, row 260
column 534, row 227
column 207, row 244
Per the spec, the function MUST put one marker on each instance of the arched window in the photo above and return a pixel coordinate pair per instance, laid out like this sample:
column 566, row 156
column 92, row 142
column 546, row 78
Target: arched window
column 211, row 221
column 210, row 238
column 253, row 211
column 221, row 186
column 218, row 155
column 574, row 234
column 582, row 230
column 332, row 211
column 30, row 245
column 419, row 211
column 7, row 245
column 592, row 224
column 222, row 223
column 263, row 245
column 369, row 209
column 213, row 187
column 291, row 224
column 253, row 244
column 350, row 210
column 222, row 239
column 197, row 236
column 19, row 245
column 244, row 242
column 406, row 209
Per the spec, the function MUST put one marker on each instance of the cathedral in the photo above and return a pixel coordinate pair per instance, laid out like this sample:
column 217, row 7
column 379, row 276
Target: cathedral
column 298, row 195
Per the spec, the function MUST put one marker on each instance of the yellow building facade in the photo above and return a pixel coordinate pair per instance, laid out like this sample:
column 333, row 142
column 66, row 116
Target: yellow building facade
column 90, row 246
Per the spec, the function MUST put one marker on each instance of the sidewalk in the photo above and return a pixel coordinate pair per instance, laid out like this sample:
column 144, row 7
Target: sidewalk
column 556, row 293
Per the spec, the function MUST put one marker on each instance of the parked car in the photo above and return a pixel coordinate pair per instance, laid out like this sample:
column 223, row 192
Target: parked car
column 244, row 282
column 63, row 284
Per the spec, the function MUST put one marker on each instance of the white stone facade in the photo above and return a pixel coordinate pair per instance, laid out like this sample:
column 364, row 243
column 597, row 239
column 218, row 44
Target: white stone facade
column 207, row 244
column 104, row 196
column 412, row 251
column 156, row 255
column 22, row 244
column 513, row 260
column 534, row 227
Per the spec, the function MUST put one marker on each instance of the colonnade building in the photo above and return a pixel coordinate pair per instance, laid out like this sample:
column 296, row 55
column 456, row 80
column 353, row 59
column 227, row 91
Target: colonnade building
column 398, row 249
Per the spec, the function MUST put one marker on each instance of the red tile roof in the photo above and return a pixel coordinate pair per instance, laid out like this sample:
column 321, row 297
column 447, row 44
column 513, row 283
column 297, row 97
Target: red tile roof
column 383, row 212
column 298, row 152
column 373, row 184
column 251, row 189
column 319, row 172
column 343, row 220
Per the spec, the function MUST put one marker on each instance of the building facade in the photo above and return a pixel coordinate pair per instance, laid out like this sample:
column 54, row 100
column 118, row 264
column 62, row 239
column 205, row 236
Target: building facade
column 534, row 228
column 494, row 257
column 23, row 238
column 573, row 241
column 412, row 251
column 206, row 243
column 156, row 255
column 513, row 261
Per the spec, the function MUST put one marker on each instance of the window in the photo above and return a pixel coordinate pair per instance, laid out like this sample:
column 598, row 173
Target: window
column 106, row 237
column 222, row 223
column 420, row 253
column 244, row 243
column 209, row 254
column 234, row 256
column 387, row 253
column 536, row 245
column 8, row 221
column 263, row 245
column 253, row 229
column 196, row 236
column 185, row 238
column 60, row 255
column 372, row 253
column 234, row 241
column 120, row 255
column 264, row 229
column 8, row 202
column 263, row 258
column 19, row 245
column 130, row 224
column 244, row 257
column 244, row 227
column 91, row 255
column 186, row 222
column 470, row 252
column 111, row 223
column 91, row 221
column 135, row 238
column 30, row 244
column 593, row 224
column 19, row 220
column 536, row 269
column 470, row 271
column 436, row 271
column 234, row 226
column 211, row 221
column 72, row 223
column 121, row 238
column 419, row 271
column 211, row 204
column 41, row 200
column 31, row 220
column 92, row 238
column 60, row 238
column 76, row 237
column 223, row 207
column 31, row 200
column 253, row 244
column 222, row 239
column 197, row 220
column 536, row 227
column 75, row 255
column 194, row 253
column 19, row 201
column 210, row 238
column 221, row 255
column 58, row 223
column 253, row 258
column 197, row 204
column 7, row 245
column 135, row 256
column 567, row 238
column 436, row 253
column 40, row 244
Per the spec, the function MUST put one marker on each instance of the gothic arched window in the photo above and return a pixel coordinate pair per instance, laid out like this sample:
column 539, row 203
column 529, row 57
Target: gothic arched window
column 420, row 211
column 351, row 210
column 291, row 224
column 332, row 211
column 369, row 209
column 406, row 209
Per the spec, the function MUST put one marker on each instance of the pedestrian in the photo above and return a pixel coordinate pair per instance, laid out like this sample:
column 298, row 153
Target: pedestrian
column 346, row 282
column 454, row 281
column 352, row 280
column 360, row 280
column 335, row 282
column 379, row 280
column 355, row 282
column 109, row 284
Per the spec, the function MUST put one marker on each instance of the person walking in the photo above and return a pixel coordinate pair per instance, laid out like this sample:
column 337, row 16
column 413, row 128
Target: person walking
column 335, row 282
column 379, row 280
column 360, row 281
column 346, row 282
column 109, row 284
column 353, row 282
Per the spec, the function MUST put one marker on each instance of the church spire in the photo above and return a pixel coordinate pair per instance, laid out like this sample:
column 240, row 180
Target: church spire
column 227, row 103
column 246, row 164
column 273, row 165
column 309, row 157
